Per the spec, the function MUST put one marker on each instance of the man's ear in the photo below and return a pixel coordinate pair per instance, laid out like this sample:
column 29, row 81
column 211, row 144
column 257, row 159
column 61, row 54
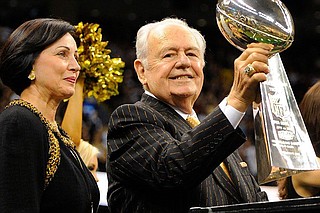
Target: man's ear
column 138, row 66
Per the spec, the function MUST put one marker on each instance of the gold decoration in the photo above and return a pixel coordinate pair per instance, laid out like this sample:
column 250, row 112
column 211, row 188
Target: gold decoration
column 32, row 75
column 53, row 134
column 102, row 73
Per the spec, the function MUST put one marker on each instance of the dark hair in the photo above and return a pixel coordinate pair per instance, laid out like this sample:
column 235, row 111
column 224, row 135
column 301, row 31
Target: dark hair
column 310, row 111
column 24, row 45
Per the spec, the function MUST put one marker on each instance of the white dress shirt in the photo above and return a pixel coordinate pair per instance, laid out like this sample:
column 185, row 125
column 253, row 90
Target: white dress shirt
column 234, row 116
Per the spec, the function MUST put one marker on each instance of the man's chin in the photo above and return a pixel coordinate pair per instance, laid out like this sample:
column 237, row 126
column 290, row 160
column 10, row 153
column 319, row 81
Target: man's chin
column 184, row 94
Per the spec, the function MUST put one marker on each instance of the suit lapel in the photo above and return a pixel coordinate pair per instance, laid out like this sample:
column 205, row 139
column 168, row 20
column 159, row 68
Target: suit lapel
column 242, row 176
column 167, row 113
column 223, row 180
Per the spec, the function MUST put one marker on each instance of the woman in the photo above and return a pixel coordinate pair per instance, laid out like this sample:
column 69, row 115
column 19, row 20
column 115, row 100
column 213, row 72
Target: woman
column 306, row 184
column 40, row 171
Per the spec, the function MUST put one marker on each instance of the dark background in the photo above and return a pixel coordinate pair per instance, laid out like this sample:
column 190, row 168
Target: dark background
column 120, row 20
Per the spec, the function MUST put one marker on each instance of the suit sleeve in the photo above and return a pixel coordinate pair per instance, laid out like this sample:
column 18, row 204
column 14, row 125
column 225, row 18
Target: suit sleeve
column 23, row 154
column 145, row 149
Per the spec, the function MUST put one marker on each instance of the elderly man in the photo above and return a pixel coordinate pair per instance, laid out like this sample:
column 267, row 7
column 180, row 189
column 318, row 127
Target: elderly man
column 160, row 162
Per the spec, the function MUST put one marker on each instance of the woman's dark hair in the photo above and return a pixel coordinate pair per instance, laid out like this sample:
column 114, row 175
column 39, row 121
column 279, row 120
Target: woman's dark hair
column 310, row 111
column 24, row 45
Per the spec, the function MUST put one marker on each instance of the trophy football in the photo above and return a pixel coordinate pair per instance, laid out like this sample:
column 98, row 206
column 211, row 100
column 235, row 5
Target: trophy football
column 283, row 146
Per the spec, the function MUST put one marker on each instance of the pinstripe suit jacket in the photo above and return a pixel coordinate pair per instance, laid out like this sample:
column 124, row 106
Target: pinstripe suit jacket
column 158, row 163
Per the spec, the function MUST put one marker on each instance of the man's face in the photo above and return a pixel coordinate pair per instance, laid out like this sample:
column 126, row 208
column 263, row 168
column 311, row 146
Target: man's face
column 174, row 71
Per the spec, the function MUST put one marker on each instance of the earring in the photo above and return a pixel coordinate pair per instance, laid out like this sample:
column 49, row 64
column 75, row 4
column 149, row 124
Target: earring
column 32, row 75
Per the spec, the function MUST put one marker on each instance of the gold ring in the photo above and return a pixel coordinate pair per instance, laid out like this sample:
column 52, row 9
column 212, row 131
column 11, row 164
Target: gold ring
column 249, row 70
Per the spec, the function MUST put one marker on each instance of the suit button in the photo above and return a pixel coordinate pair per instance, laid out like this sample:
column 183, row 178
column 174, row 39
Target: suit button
column 218, row 138
column 212, row 146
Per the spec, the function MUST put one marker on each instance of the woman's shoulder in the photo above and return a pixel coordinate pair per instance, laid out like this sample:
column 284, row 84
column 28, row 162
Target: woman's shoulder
column 17, row 117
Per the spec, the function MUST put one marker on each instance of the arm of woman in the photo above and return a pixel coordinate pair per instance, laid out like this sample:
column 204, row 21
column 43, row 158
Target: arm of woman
column 23, row 160
column 72, row 120
column 307, row 179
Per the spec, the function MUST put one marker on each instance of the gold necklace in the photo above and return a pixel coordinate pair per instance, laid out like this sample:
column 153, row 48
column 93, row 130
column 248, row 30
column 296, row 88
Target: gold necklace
column 53, row 133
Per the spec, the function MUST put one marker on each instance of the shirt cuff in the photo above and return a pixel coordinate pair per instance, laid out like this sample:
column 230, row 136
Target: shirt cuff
column 234, row 116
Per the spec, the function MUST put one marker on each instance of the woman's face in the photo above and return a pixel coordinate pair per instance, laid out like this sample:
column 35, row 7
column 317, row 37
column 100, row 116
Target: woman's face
column 57, row 69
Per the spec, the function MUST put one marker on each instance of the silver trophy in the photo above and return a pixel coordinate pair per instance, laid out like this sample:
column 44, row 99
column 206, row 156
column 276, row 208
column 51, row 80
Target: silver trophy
column 283, row 146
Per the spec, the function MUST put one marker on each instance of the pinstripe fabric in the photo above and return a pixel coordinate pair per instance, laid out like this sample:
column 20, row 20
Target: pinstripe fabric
column 158, row 163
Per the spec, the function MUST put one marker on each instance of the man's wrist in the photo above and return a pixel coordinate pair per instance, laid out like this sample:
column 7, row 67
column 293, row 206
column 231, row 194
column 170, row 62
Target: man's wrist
column 233, row 115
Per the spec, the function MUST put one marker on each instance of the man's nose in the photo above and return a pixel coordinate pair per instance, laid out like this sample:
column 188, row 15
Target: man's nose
column 183, row 61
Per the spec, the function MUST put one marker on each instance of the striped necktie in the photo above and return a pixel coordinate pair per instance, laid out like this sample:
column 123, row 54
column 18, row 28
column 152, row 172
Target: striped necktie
column 193, row 121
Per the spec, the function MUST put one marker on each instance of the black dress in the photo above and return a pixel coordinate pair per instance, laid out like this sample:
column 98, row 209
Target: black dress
column 24, row 146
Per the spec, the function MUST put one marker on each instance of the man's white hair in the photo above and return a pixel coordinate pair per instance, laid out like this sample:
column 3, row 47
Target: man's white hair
column 144, row 32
